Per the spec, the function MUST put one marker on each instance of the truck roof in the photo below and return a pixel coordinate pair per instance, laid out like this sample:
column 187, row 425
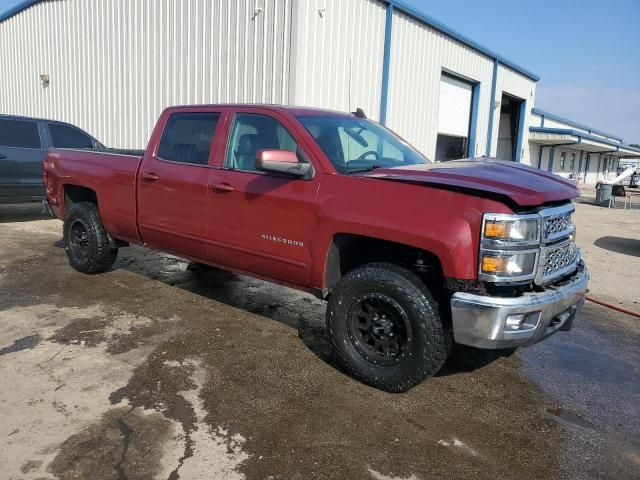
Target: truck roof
column 293, row 109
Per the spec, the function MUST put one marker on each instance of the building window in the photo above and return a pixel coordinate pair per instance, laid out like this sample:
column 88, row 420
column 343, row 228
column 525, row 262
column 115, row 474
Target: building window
column 605, row 165
column 573, row 163
column 454, row 118
column 563, row 159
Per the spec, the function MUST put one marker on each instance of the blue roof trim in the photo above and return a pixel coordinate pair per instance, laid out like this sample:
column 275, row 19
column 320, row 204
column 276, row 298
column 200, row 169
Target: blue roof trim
column 558, row 118
column 576, row 133
column 17, row 9
column 432, row 22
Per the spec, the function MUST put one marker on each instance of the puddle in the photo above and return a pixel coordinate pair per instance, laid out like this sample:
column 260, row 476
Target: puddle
column 570, row 417
column 21, row 344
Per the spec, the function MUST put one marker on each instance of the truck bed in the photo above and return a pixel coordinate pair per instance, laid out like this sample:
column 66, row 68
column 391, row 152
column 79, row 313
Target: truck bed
column 110, row 173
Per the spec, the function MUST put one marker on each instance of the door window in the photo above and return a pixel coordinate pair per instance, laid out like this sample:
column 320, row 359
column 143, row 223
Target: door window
column 19, row 134
column 187, row 137
column 251, row 133
column 64, row 136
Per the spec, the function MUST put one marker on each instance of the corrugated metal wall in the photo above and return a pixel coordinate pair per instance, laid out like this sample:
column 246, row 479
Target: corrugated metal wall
column 515, row 84
column 419, row 54
column 337, row 54
column 115, row 64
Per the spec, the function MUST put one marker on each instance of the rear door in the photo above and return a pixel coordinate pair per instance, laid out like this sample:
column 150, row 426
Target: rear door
column 260, row 222
column 172, row 184
column 21, row 157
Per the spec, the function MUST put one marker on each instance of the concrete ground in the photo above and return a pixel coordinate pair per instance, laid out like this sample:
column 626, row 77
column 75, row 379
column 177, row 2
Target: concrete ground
column 155, row 371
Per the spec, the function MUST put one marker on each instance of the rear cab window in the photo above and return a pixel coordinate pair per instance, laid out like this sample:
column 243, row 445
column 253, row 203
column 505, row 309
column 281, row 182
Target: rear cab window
column 187, row 137
column 66, row 136
column 19, row 134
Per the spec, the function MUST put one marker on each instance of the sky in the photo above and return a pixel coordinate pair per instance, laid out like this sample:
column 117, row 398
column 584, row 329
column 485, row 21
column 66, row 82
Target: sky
column 586, row 52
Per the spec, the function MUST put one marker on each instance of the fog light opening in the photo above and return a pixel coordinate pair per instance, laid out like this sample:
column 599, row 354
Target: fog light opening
column 522, row 322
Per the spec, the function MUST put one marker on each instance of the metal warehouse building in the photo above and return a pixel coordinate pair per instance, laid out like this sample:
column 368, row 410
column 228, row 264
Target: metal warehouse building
column 111, row 66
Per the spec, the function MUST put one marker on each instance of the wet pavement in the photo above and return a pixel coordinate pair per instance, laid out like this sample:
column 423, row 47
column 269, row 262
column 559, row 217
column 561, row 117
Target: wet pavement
column 154, row 370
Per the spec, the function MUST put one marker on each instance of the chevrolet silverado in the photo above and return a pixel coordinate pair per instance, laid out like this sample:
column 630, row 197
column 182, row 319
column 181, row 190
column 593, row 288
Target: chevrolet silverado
column 410, row 255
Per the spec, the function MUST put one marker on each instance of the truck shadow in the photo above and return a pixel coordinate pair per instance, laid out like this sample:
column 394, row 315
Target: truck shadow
column 625, row 246
column 297, row 310
column 22, row 212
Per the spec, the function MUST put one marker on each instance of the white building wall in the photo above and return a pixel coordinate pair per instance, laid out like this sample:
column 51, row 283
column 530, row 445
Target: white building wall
column 535, row 120
column 337, row 54
column 115, row 64
column 550, row 123
column 419, row 54
column 517, row 85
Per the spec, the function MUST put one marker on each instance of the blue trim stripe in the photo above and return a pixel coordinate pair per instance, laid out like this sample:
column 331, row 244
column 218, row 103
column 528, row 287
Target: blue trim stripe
column 475, row 100
column 552, row 153
column 494, row 85
column 558, row 118
column 384, row 93
column 580, row 135
column 521, row 129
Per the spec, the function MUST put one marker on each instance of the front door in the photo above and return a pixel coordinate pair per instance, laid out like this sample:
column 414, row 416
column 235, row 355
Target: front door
column 172, row 192
column 21, row 157
column 259, row 222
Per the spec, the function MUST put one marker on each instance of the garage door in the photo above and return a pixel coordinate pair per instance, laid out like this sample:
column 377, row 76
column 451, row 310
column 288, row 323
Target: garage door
column 454, row 115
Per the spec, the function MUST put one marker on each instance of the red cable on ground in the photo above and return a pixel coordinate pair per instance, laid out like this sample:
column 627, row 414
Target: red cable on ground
column 613, row 307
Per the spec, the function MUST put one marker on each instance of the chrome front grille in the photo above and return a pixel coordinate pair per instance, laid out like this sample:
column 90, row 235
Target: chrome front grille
column 559, row 254
column 557, row 223
column 558, row 260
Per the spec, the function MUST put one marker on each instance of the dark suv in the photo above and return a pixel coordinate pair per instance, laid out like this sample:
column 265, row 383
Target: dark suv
column 24, row 143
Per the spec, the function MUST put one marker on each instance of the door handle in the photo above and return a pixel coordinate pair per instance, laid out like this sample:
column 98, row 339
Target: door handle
column 223, row 187
column 150, row 177
column 2, row 156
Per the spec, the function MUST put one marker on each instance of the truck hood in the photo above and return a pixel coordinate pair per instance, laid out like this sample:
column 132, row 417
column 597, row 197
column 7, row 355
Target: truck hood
column 523, row 185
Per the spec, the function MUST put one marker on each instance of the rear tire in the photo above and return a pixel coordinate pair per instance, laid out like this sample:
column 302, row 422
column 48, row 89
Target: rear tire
column 86, row 243
column 385, row 327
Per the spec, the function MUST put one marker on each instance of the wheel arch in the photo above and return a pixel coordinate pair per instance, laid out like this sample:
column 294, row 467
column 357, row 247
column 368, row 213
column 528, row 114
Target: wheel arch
column 73, row 194
column 347, row 251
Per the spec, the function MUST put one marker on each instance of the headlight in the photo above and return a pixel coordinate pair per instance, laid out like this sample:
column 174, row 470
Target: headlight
column 515, row 230
column 509, row 247
column 507, row 265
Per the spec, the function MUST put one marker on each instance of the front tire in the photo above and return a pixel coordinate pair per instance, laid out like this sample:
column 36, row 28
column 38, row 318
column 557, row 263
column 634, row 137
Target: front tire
column 86, row 242
column 385, row 327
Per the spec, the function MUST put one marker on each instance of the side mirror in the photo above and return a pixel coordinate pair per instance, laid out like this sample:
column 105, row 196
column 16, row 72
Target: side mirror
column 281, row 161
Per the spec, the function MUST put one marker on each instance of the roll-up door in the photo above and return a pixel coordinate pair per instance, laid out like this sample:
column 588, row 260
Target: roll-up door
column 454, row 115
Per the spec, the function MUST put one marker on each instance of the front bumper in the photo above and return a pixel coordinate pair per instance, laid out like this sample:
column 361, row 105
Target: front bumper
column 481, row 321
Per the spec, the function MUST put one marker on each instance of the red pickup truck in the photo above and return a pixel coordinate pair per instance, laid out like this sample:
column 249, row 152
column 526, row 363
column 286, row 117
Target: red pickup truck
column 410, row 255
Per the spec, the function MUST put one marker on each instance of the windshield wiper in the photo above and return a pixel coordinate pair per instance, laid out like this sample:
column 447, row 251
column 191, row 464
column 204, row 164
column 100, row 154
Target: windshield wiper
column 362, row 169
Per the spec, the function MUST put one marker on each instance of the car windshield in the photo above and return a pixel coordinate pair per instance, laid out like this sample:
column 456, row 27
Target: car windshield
column 355, row 144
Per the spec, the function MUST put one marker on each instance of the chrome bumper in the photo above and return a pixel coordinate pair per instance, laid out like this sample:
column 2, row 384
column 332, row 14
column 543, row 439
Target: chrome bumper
column 492, row 322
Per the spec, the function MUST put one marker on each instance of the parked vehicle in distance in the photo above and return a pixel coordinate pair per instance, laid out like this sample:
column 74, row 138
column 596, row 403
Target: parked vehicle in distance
column 23, row 146
column 412, row 256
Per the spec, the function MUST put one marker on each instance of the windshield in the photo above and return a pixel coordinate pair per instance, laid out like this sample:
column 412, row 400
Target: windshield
column 355, row 144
